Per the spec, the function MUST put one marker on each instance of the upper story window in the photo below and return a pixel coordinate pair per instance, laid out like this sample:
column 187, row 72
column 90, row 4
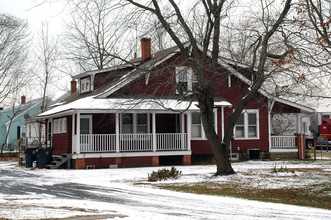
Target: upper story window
column 85, row 85
column 186, row 80
column 247, row 126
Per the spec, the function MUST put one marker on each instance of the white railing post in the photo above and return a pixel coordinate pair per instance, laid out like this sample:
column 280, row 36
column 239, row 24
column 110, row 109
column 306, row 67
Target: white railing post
column 189, row 131
column 117, row 133
column 154, row 143
column 182, row 129
column 78, row 134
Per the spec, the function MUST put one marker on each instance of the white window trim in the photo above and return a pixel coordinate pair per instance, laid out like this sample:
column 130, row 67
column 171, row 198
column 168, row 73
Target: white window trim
column 189, row 78
column 135, row 122
column 88, row 79
column 59, row 126
column 203, row 135
column 246, row 111
column 90, row 122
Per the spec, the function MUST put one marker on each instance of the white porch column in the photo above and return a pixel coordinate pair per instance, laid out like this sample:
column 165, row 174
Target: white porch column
column 154, row 131
column 299, row 130
column 182, row 130
column 189, row 130
column 73, row 142
column 270, row 106
column 117, row 132
column 78, row 134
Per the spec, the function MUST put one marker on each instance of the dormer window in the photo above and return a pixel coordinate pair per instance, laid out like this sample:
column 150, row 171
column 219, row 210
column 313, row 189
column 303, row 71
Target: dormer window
column 85, row 85
column 186, row 80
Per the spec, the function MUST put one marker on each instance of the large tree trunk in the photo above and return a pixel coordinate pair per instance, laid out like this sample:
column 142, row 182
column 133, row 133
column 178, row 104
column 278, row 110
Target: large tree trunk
column 220, row 150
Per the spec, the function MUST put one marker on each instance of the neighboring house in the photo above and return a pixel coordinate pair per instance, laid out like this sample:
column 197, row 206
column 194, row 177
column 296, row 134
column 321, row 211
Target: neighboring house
column 36, row 129
column 134, row 116
column 13, row 122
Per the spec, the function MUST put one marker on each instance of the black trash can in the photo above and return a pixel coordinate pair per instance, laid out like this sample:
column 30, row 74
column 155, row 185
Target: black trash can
column 30, row 156
column 44, row 156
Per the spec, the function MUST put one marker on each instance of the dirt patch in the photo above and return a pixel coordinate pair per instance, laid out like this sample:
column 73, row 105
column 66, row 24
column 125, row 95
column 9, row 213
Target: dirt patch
column 8, row 158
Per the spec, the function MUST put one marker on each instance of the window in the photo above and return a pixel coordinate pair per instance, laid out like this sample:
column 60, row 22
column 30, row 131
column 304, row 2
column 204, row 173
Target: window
column 84, row 126
column 197, row 131
column 247, row 125
column 142, row 126
column 325, row 116
column 60, row 125
column 85, row 85
column 133, row 123
column 186, row 80
column 196, row 125
column 127, row 123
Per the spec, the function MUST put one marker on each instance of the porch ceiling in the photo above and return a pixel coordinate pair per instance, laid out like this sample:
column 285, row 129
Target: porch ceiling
column 93, row 104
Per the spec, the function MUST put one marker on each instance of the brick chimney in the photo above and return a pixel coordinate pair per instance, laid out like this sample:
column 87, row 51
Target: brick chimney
column 73, row 86
column 145, row 49
column 23, row 99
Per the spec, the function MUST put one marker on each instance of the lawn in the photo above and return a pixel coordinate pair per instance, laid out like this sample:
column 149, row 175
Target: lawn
column 304, row 185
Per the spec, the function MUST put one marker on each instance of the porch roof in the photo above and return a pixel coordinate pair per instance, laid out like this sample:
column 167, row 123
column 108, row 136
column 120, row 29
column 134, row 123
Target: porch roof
column 92, row 104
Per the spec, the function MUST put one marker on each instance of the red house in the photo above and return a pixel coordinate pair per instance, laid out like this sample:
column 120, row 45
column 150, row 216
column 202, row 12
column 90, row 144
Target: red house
column 132, row 114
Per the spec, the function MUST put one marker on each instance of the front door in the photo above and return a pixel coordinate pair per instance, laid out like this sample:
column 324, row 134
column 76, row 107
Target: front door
column 85, row 131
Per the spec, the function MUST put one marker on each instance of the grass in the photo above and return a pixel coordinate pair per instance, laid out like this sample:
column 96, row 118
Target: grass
column 315, row 196
column 315, row 193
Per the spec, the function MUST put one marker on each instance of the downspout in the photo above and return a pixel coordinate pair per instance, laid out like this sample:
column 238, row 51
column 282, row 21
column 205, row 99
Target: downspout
column 270, row 107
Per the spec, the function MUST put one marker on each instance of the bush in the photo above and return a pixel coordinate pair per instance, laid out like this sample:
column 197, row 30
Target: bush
column 164, row 174
column 282, row 170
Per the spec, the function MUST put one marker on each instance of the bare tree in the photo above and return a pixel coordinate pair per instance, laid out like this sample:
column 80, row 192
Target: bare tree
column 13, row 55
column 14, row 111
column 205, row 54
column 46, row 53
column 92, row 35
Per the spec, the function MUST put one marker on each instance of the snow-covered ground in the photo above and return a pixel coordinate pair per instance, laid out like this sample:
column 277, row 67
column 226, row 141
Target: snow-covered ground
column 115, row 194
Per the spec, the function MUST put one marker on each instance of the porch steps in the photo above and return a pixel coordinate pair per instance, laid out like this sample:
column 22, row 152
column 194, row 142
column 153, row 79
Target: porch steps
column 60, row 161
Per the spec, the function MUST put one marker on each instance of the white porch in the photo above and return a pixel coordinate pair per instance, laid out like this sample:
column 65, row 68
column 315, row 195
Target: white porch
column 112, row 143
column 119, row 144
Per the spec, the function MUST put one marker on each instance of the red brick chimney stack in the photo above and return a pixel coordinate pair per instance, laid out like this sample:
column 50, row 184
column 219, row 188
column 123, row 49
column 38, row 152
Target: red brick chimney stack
column 73, row 86
column 23, row 99
column 145, row 48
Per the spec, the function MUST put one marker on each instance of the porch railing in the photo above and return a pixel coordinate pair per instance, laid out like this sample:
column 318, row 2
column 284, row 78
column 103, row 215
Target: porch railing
column 90, row 143
column 136, row 142
column 175, row 141
column 283, row 142
column 97, row 143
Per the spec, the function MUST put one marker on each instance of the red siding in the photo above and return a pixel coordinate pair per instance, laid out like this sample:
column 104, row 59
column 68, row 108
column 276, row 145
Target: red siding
column 62, row 142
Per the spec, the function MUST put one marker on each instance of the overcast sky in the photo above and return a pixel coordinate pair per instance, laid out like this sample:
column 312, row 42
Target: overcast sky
column 34, row 14
column 30, row 11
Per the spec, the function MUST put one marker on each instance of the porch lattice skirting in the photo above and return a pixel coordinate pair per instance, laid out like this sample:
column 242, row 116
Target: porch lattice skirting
column 96, row 143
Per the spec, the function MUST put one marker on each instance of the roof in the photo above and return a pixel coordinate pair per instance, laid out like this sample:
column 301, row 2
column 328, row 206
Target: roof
column 93, row 104
column 99, row 96
column 23, row 109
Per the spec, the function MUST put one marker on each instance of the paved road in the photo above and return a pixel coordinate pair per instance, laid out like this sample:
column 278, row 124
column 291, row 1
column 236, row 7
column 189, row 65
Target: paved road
column 134, row 202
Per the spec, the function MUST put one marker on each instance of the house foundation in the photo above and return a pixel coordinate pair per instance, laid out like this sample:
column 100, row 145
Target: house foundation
column 186, row 160
column 155, row 161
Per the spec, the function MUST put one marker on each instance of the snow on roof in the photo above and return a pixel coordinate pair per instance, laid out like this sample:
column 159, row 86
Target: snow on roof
column 127, row 104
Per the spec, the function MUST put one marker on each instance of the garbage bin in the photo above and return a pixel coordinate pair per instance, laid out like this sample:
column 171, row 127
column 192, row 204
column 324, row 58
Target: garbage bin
column 30, row 156
column 45, row 156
